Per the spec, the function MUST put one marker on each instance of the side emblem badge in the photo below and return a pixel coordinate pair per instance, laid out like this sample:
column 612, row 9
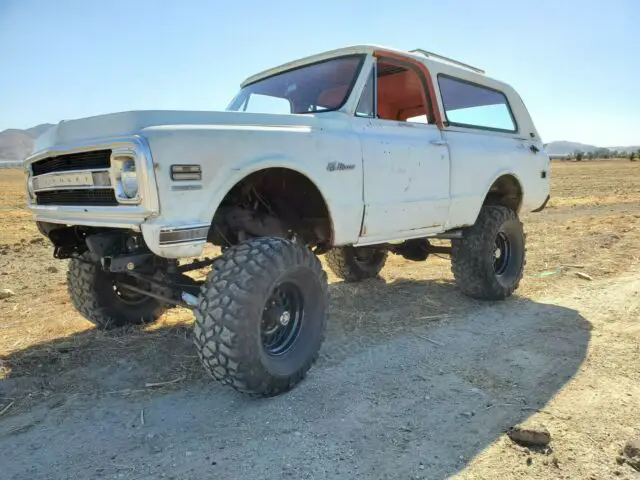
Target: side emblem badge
column 339, row 166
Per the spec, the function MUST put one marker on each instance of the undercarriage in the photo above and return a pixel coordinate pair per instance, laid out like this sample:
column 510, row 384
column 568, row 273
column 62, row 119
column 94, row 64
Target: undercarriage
column 123, row 254
column 261, row 312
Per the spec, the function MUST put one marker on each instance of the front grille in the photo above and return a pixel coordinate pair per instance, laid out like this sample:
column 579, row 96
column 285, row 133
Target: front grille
column 99, row 196
column 73, row 161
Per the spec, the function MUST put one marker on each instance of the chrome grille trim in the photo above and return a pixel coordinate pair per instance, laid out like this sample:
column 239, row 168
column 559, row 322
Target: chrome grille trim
column 183, row 234
column 119, row 214
column 71, row 180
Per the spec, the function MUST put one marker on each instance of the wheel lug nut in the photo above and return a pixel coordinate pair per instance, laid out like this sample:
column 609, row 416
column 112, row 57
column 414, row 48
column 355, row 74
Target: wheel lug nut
column 285, row 318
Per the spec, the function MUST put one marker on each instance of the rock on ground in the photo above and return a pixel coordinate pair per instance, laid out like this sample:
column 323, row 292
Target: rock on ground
column 632, row 448
column 6, row 293
column 530, row 434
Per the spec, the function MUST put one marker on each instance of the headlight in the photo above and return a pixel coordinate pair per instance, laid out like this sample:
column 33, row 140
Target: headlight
column 125, row 179
column 129, row 179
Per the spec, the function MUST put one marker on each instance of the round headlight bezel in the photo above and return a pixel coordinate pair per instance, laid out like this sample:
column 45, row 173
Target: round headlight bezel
column 129, row 179
column 126, row 182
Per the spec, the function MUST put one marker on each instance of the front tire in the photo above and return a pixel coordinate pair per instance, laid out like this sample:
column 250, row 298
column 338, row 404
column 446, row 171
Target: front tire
column 96, row 295
column 355, row 264
column 261, row 316
column 488, row 262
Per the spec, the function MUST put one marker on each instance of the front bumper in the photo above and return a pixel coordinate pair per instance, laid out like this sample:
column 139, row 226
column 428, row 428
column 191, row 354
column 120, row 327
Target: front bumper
column 167, row 241
column 107, row 217
column 175, row 241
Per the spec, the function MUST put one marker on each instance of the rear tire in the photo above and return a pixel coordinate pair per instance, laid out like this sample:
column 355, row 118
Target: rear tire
column 355, row 264
column 95, row 294
column 261, row 316
column 488, row 262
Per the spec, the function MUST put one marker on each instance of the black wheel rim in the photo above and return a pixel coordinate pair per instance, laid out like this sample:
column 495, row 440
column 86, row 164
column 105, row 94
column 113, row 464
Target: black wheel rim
column 502, row 253
column 364, row 256
column 281, row 319
column 127, row 296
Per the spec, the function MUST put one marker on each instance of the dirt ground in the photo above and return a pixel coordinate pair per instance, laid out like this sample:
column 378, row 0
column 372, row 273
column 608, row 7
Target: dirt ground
column 414, row 381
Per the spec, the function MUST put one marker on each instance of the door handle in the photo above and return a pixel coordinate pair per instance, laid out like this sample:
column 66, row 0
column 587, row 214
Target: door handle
column 438, row 143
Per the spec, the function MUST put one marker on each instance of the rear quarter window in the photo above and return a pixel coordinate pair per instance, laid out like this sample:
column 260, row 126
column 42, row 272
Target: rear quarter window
column 471, row 105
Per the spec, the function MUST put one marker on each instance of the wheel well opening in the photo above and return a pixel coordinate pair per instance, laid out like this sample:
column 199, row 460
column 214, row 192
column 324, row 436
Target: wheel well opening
column 273, row 202
column 505, row 191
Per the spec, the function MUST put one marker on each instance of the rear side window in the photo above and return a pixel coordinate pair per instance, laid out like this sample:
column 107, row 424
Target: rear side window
column 471, row 105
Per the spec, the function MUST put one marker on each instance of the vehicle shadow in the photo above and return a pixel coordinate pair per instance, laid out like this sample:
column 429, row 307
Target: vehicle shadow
column 414, row 380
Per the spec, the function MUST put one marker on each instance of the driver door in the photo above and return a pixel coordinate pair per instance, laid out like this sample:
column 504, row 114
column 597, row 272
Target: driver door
column 405, row 158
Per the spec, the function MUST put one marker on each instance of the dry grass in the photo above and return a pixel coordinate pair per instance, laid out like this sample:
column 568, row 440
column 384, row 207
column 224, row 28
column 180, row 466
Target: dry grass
column 50, row 356
column 591, row 222
column 16, row 222
column 595, row 183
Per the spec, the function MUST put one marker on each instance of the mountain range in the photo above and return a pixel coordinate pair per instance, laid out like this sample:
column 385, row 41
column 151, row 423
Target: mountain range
column 16, row 145
column 563, row 147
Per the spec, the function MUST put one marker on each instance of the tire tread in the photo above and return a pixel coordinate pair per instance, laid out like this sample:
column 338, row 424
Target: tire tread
column 342, row 262
column 468, row 255
column 225, row 340
column 85, row 297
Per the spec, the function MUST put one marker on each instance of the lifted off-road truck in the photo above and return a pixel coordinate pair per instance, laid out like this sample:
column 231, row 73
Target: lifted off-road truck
column 352, row 153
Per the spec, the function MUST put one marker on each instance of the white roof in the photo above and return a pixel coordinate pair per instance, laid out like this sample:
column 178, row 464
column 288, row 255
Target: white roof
column 350, row 50
column 436, row 66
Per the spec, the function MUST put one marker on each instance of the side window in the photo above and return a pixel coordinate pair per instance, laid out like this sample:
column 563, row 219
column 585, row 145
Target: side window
column 471, row 105
column 367, row 105
column 257, row 103
column 401, row 93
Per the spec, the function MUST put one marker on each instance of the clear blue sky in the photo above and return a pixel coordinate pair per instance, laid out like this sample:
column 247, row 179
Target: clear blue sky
column 575, row 63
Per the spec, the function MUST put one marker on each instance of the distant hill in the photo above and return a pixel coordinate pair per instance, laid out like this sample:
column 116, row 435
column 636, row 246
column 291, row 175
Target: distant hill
column 16, row 144
column 565, row 148
column 38, row 130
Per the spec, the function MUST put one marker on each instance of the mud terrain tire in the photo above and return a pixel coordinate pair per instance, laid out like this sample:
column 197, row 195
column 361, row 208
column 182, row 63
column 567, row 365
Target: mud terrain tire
column 351, row 265
column 93, row 294
column 489, row 260
column 258, row 287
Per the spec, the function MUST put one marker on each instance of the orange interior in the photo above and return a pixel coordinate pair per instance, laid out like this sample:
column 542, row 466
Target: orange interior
column 400, row 92
column 333, row 96
column 433, row 114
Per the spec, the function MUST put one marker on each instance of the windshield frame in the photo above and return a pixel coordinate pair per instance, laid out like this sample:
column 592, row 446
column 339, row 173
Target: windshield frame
column 241, row 96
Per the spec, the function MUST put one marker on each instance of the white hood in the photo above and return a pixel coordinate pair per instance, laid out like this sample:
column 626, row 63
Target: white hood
column 124, row 124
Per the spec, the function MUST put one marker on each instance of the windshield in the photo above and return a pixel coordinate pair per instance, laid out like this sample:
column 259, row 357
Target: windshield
column 318, row 87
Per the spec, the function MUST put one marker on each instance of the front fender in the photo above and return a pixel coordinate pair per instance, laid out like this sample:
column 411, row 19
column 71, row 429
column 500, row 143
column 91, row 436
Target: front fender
column 227, row 155
column 232, row 176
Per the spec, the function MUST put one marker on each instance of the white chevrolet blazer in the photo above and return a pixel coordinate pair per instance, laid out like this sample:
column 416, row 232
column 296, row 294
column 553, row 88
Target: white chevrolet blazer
column 354, row 153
